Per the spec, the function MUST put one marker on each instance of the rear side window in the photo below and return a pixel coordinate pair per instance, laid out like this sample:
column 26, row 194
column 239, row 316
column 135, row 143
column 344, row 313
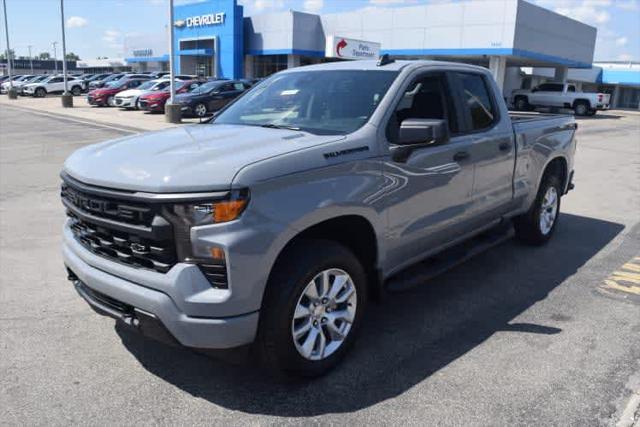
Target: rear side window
column 478, row 104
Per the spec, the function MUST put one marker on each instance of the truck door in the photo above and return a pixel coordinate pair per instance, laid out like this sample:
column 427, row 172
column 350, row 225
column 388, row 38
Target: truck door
column 429, row 192
column 493, row 146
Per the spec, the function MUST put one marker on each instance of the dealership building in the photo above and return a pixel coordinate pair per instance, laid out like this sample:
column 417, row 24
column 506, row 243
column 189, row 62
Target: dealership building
column 214, row 38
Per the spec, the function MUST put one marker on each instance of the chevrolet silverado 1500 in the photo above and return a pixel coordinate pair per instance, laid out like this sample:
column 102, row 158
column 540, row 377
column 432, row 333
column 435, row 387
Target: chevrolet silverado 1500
column 275, row 223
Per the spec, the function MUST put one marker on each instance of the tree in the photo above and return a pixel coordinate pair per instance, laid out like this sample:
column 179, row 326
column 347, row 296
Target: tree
column 44, row 56
column 12, row 54
column 72, row 57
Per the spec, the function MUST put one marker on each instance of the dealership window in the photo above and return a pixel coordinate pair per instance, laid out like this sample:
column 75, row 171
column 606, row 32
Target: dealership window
column 265, row 65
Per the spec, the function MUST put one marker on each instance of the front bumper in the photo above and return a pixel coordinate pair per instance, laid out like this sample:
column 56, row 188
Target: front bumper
column 125, row 102
column 101, row 101
column 146, row 301
column 602, row 106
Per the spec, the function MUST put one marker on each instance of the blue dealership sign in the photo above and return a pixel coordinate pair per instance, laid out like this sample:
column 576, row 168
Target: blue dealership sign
column 209, row 38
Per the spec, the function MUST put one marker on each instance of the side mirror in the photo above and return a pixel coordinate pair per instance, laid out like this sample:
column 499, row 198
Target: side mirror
column 419, row 133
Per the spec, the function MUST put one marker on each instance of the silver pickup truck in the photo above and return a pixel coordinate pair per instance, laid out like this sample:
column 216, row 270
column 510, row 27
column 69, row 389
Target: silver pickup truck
column 277, row 222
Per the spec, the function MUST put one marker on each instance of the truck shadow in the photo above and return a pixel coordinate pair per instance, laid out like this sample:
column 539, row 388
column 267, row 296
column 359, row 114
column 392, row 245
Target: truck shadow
column 407, row 337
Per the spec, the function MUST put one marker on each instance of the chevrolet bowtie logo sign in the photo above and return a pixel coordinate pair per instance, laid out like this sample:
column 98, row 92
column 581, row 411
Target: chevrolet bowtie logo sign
column 201, row 20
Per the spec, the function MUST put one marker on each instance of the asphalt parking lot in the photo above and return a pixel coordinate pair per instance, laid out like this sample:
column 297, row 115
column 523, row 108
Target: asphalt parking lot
column 515, row 336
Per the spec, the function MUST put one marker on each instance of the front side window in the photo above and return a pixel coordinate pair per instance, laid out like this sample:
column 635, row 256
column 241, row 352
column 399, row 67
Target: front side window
column 477, row 100
column 322, row 102
column 425, row 98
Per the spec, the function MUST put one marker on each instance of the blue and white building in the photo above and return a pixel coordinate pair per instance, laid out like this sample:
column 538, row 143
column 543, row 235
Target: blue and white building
column 214, row 38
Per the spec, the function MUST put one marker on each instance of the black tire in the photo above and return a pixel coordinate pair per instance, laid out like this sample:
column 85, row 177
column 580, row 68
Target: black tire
column 522, row 104
column 299, row 265
column 581, row 108
column 200, row 110
column 40, row 92
column 76, row 91
column 528, row 225
column 592, row 112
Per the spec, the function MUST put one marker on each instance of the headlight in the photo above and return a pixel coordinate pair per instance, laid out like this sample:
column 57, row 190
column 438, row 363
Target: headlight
column 215, row 212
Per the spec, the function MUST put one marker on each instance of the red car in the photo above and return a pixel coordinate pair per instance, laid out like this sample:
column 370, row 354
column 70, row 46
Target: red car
column 105, row 95
column 155, row 101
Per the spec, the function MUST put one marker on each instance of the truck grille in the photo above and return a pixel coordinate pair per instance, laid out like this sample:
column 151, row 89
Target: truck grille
column 134, row 234
column 123, row 247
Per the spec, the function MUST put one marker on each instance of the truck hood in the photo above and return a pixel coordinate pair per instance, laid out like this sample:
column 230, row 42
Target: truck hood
column 184, row 159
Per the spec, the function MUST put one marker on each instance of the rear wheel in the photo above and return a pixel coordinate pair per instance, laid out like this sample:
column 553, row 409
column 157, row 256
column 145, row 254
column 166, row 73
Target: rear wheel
column 538, row 224
column 312, row 310
column 581, row 108
column 522, row 104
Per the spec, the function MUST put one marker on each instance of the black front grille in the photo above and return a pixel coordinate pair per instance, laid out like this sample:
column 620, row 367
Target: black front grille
column 108, row 208
column 124, row 247
column 132, row 233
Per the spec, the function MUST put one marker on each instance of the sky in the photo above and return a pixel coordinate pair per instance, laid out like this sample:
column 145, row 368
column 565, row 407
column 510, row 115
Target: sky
column 96, row 27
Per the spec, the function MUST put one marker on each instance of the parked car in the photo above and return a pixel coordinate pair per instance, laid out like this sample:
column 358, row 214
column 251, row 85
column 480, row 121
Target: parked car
column 17, row 83
column 560, row 95
column 105, row 96
column 98, row 83
column 35, row 79
column 53, row 84
column 129, row 98
column 155, row 101
column 96, row 77
column 277, row 221
column 210, row 97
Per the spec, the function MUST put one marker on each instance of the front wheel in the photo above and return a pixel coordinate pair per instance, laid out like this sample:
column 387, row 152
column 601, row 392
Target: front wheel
column 200, row 110
column 41, row 92
column 538, row 224
column 312, row 310
column 76, row 91
column 111, row 101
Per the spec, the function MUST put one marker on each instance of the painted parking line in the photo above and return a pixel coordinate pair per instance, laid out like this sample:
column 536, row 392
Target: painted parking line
column 626, row 279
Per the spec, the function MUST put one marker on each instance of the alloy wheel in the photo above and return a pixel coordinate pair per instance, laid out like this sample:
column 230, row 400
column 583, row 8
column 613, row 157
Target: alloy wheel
column 548, row 210
column 324, row 314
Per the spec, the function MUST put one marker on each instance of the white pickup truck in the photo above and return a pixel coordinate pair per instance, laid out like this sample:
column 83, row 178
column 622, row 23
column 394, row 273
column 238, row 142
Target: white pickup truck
column 560, row 95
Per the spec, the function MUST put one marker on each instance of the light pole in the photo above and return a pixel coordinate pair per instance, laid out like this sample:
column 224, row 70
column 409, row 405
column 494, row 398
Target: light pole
column 13, row 94
column 30, row 58
column 67, row 98
column 55, row 56
column 171, row 110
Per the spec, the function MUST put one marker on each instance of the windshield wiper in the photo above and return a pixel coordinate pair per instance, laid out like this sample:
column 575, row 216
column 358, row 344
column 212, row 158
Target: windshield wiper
column 277, row 126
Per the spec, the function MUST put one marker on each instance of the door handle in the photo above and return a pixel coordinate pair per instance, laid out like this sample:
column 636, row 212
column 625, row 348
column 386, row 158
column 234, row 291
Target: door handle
column 460, row 155
column 505, row 146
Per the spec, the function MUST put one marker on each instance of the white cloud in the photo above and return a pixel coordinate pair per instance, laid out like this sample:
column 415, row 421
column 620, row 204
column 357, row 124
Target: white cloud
column 386, row 2
column 113, row 39
column 313, row 6
column 252, row 7
column 621, row 41
column 632, row 5
column 625, row 57
column 76, row 22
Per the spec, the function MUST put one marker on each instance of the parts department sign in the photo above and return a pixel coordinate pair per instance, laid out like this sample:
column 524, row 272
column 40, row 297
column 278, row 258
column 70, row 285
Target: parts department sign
column 345, row 48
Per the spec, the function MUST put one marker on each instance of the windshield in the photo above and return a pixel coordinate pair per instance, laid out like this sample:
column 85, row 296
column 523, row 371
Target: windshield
column 323, row 102
column 205, row 87
column 113, row 84
column 147, row 85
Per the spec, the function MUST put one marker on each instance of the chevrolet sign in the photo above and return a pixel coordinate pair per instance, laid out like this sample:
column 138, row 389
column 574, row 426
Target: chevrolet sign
column 201, row 20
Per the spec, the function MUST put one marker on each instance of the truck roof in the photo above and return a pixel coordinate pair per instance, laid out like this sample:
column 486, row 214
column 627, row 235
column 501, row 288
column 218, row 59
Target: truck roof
column 373, row 65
